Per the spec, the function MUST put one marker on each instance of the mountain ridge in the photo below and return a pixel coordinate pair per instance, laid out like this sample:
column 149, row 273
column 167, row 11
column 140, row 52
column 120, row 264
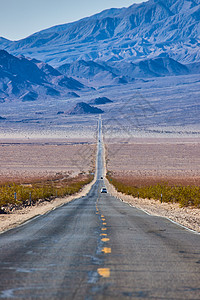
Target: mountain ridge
column 29, row 79
column 109, row 73
column 140, row 31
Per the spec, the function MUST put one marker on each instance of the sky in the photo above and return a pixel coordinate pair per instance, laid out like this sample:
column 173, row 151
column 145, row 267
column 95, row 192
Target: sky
column 21, row 18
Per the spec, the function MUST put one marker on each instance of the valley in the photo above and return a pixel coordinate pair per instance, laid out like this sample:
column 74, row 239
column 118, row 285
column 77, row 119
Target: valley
column 100, row 156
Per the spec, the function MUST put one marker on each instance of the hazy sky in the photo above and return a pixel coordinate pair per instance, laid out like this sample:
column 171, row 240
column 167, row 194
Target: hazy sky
column 20, row 18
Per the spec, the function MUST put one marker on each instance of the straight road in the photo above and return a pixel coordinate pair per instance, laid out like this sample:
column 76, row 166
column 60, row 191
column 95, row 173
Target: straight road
column 97, row 247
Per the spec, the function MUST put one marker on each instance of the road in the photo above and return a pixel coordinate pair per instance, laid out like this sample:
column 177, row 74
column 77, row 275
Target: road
column 97, row 247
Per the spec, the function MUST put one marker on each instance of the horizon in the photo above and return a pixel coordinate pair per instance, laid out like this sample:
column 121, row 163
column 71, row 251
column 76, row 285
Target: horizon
column 22, row 15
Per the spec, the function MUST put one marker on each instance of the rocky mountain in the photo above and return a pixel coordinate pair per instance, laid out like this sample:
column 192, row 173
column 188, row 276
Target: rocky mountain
column 92, row 71
column 100, row 101
column 30, row 79
column 83, row 108
column 120, row 72
column 141, row 31
column 155, row 67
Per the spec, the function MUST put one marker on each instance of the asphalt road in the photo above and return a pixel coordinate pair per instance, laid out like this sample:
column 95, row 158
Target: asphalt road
column 98, row 247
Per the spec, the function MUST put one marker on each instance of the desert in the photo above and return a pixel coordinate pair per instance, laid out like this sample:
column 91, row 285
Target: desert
column 149, row 161
column 24, row 160
column 175, row 160
column 30, row 161
column 100, row 149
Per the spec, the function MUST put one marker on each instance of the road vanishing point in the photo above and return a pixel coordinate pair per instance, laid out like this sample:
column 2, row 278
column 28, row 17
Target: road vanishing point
column 97, row 247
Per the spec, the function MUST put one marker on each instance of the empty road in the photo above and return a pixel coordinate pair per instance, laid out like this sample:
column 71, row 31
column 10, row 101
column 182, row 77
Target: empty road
column 98, row 247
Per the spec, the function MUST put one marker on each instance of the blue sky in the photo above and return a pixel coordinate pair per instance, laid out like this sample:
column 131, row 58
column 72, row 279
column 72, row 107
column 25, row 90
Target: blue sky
column 20, row 18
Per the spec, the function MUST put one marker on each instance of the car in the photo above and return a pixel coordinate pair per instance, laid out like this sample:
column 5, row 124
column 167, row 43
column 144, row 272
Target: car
column 104, row 190
column 101, row 177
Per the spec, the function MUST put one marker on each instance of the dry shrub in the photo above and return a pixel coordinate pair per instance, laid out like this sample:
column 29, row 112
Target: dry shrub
column 185, row 195
column 29, row 194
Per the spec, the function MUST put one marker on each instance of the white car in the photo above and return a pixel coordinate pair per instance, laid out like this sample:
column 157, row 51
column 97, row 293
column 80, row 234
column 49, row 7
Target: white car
column 104, row 190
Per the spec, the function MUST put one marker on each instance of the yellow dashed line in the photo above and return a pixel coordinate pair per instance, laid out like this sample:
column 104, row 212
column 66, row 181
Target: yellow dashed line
column 103, row 234
column 106, row 250
column 105, row 239
column 103, row 229
column 104, row 272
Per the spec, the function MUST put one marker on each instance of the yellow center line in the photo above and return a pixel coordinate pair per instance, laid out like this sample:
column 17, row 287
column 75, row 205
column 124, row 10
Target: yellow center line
column 102, row 216
column 105, row 239
column 104, row 272
column 103, row 219
column 103, row 229
column 106, row 250
column 103, row 234
column 104, row 223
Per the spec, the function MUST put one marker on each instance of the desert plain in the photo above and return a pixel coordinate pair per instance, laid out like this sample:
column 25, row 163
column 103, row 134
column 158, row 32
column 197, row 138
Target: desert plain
column 153, row 160
column 25, row 160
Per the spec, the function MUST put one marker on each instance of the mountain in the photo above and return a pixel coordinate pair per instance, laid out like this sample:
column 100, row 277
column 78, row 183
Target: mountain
column 141, row 31
column 101, row 100
column 92, row 72
column 30, row 79
column 121, row 72
column 83, row 108
column 155, row 67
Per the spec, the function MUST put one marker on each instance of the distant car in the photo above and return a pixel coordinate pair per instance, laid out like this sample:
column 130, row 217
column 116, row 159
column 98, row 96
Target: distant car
column 101, row 177
column 104, row 190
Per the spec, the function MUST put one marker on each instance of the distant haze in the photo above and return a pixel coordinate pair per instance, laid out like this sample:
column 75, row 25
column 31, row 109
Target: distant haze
column 21, row 18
